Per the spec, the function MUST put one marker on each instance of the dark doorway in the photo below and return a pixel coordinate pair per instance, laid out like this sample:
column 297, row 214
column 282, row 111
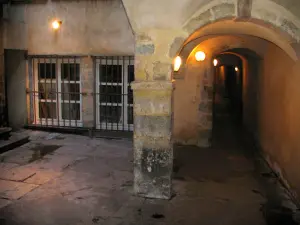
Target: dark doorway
column 15, row 80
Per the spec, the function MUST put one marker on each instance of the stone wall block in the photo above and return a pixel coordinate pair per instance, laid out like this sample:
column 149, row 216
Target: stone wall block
column 153, row 173
column 199, row 21
column 223, row 10
column 161, row 71
column 244, row 8
column 154, row 126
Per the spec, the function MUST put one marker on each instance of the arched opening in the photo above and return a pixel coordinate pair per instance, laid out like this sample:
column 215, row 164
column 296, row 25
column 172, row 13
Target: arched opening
column 249, row 90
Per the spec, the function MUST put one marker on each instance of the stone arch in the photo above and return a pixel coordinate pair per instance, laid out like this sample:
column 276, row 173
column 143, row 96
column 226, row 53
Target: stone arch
column 265, row 13
column 212, row 45
column 244, row 17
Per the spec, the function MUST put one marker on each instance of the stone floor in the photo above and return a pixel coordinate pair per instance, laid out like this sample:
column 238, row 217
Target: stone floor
column 61, row 179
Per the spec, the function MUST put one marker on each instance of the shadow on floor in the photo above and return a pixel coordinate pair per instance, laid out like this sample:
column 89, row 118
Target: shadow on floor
column 232, row 162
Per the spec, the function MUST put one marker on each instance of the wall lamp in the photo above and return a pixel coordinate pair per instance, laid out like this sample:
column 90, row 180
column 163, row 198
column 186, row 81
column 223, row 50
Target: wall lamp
column 200, row 56
column 56, row 24
column 177, row 63
column 215, row 62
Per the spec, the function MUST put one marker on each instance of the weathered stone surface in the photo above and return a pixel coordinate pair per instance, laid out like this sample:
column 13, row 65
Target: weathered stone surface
column 3, row 203
column 264, row 14
column 145, row 49
column 143, row 38
column 244, row 8
column 7, row 166
column 17, row 173
column 175, row 46
column 296, row 47
column 204, row 138
column 292, row 5
column 205, row 106
column 14, row 190
column 42, row 177
column 205, row 120
column 152, row 85
column 154, row 126
column 161, row 71
column 224, row 10
column 291, row 28
column 17, row 156
column 198, row 21
column 150, row 142
column 153, row 173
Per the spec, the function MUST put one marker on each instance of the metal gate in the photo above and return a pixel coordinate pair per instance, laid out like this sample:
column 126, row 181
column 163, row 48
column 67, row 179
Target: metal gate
column 56, row 97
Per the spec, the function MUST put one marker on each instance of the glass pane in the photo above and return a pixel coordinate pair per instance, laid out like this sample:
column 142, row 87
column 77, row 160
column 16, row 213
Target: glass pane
column 130, row 95
column 47, row 110
column 70, row 71
column 70, row 91
column 130, row 115
column 47, row 91
column 46, row 71
column 110, row 114
column 70, row 111
column 110, row 73
column 110, row 94
column 130, row 73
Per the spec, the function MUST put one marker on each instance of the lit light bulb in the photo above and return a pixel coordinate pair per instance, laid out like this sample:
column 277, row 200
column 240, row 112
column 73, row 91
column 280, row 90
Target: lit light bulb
column 177, row 63
column 236, row 69
column 215, row 62
column 200, row 56
column 56, row 24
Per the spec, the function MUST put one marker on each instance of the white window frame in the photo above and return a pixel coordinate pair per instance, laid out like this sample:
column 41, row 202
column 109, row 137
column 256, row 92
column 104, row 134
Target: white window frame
column 124, row 90
column 58, row 121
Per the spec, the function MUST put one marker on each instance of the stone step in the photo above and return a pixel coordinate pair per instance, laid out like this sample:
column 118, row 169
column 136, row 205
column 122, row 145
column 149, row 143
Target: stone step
column 4, row 133
column 15, row 140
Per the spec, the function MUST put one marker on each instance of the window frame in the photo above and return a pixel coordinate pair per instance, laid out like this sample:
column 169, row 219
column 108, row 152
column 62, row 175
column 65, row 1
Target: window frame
column 124, row 104
column 57, row 81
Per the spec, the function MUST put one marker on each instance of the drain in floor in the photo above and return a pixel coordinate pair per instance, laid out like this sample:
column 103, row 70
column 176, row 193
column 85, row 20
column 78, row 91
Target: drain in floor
column 158, row 216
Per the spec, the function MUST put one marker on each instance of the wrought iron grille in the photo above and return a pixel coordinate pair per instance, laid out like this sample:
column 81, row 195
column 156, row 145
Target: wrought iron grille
column 55, row 91
column 56, row 96
column 114, row 99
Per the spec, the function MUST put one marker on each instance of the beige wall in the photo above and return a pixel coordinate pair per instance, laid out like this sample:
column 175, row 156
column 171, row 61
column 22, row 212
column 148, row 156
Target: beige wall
column 186, row 103
column 278, row 112
column 88, row 27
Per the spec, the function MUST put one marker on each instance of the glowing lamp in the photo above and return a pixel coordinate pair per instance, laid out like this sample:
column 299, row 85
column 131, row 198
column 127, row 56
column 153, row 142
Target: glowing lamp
column 177, row 63
column 215, row 62
column 56, row 24
column 236, row 69
column 200, row 56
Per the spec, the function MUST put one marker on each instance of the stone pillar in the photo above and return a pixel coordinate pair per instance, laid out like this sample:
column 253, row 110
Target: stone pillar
column 87, row 89
column 152, row 90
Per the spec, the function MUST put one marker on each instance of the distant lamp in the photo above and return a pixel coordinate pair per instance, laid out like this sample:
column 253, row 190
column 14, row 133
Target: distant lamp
column 177, row 63
column 200, row 56
column 56, row 24
column 236, row 69
column 215, row 62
